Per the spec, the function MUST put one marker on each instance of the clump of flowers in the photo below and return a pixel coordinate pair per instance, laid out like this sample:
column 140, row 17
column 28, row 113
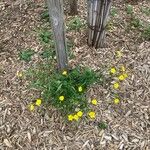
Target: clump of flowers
column 38, row 102
column 66, row 91
column 120, row 75
column 92, row 114
column 116, row 85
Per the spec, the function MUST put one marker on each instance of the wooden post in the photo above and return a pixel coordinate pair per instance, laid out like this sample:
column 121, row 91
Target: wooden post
column 98, row 11
column 55, row 8
column 73, row 7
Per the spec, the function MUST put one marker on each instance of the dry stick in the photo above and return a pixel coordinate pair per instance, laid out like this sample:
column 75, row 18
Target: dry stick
column 55, row 8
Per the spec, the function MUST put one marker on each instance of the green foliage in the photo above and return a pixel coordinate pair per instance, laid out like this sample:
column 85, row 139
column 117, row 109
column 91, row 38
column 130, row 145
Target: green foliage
column 45, row 15
column 69, row 48
column 113, row 12
column 26, row 55
column 54, row 84
column 135, row 22
column 146, row 33
column 45, row 36
column 146, row 11
column 48, row 53
column 75, row 24
column 102, row 125
column 129, row 9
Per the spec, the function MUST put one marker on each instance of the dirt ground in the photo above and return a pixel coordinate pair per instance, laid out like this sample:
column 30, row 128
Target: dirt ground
column 44, row 129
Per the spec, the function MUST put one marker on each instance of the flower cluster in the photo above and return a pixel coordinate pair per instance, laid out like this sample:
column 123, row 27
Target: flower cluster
column 38, row 102
column 120, row 75
column 66, row 90
column 79, row 114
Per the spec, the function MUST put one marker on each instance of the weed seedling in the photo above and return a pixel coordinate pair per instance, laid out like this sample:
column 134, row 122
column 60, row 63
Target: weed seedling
column 102, row 125
column 75, row 24
column 129, row 9
column 113, row 12
column 146, row 33
column 26, row 55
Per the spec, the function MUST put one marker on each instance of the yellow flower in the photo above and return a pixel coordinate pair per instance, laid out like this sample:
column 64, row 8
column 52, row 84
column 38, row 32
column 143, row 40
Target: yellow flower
column 79, row 113
column 113, row 70
column 116, row 101
column 31, row 107
column 123, row 69
column 76, row 117
column 80, row 89
column 70, row 117
column 94, row 102
column 119, row 53
column 121, row 77
column 92, row 115
column 125, row 75
column 19, row 74
column 64, row 73
column 61, row 98
column 116, row 85
column 38, row 102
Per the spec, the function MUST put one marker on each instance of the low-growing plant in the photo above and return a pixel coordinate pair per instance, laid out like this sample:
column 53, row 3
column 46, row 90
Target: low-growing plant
column 135, row 22
column 45, row 36
column 65, row 91
column 45, row 16
column 48, row 53
column 102, row 125
column 129, row 9
column 146, row 11
column 26, row 55
column 146, row 33
column 75, row 24
column 113, row 12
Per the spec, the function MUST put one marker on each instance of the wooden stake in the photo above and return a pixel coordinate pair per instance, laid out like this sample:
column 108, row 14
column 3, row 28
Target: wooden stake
column 55, row 8
column 98, row 11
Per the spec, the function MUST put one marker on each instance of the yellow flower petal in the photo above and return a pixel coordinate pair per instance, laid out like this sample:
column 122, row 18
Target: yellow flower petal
column 125, row 75
column 116, row 101
column 92, row 115
column 79, row 113
column 31, row 107
column 70, row 117
column 64, row 73
column 19, row 74
column 61, row 98
column 121, row 77
column 80, row 89
column 76, row 117
column 113, row 70
column 38, row 102
column 123, row 69
column 94, row 102
column 116, row 85
column 119, row 54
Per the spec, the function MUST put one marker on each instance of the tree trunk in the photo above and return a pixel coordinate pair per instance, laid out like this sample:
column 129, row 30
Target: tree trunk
column 55, row 8
column 73, row 7
column 98, row 11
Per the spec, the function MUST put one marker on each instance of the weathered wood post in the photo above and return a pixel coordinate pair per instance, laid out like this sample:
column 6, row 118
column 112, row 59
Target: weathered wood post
column 73, row 7
column 98, row 11
column 55, row 8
